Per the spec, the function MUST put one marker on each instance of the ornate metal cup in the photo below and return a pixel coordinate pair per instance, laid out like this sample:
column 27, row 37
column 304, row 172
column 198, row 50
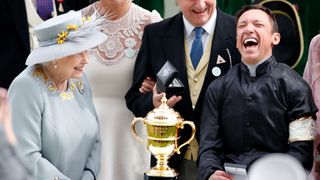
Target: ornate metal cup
column 162, row 125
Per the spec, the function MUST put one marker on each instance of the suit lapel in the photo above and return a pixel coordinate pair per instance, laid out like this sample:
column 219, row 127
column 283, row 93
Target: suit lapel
column 218, row 43
column 218, row 46
column 174, row 51
column 174, row 47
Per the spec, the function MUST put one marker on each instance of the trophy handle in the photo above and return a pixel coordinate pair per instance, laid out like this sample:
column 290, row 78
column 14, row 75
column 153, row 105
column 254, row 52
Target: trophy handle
column 192, row 136
column 133, row 128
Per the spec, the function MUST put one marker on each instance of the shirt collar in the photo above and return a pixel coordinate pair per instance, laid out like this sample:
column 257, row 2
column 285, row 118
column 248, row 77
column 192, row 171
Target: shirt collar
column 263, row 67
column 208, row 27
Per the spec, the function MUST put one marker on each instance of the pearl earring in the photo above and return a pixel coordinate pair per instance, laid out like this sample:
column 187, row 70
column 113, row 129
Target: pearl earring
column 55, row 64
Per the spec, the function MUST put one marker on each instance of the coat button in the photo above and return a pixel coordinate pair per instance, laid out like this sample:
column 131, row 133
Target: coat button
column 195, row 79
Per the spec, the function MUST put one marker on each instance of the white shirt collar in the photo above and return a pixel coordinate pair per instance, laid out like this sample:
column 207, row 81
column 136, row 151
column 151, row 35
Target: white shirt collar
column 253, row 67
column 208, row 27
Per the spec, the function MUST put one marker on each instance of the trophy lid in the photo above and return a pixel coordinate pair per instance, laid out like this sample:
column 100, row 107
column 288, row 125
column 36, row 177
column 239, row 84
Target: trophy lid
column 163, row 115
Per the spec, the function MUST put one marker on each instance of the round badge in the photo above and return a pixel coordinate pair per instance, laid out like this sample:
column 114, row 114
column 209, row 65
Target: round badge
column 216, row 71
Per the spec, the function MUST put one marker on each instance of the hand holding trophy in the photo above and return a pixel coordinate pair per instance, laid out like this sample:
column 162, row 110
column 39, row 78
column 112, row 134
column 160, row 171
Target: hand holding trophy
column 162, row 125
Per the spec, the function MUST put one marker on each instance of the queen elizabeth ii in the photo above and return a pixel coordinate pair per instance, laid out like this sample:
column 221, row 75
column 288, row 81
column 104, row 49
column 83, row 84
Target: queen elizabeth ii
column 52, row 111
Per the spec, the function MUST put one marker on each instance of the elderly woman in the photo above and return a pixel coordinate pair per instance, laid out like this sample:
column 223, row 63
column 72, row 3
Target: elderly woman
column 53, row 114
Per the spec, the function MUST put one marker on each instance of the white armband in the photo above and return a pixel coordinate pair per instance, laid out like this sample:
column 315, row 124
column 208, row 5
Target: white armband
column 301, row 129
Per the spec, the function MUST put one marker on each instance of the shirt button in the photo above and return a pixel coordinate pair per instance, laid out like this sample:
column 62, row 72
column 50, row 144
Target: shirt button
column 55, row 178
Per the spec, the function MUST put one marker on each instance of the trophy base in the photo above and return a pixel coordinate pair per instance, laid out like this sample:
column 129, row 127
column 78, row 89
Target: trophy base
column 148, row 177
column 157, row 173
column 162, row 171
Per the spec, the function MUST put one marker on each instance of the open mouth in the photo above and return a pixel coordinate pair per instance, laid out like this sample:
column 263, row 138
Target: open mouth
column 79, row 68
column 199, row 12
column 250, row 42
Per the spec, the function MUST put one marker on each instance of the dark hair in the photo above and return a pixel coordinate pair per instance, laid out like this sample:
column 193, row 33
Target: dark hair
column 262, row 8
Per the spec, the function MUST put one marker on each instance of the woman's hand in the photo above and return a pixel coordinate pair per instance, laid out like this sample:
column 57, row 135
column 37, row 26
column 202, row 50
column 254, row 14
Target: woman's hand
column 147, row 85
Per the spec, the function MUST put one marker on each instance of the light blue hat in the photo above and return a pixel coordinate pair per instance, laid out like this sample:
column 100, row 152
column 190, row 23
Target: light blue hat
column 65, row 35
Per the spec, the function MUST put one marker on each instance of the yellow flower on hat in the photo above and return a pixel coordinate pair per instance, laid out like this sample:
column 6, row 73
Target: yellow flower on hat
column 72, row 27
column 62, row 37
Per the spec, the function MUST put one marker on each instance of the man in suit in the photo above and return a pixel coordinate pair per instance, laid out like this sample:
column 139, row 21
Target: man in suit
column 173, row 40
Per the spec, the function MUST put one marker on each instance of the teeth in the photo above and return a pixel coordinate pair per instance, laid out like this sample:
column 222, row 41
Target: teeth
column 252, row 40
column 199, row 11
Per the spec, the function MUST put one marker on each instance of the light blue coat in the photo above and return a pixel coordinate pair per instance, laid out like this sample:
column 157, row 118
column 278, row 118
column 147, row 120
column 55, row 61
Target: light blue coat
column 57, row 137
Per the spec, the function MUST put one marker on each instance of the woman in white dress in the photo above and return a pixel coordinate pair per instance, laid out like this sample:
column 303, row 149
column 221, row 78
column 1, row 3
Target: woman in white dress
column 110, row 75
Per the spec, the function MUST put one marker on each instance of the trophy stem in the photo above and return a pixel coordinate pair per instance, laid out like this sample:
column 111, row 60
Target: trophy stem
column 162, row 169
column 162, row 163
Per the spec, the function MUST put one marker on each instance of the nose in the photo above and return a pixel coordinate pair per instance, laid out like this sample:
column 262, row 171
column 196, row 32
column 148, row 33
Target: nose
column 84, row 57
column 200, row 4
column 249, row 28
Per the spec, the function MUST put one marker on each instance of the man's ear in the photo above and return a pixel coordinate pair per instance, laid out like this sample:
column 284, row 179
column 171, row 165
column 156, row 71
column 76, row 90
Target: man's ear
column 275, row 38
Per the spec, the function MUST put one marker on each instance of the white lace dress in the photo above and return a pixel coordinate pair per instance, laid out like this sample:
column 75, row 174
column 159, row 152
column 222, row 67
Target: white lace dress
column 110, row 75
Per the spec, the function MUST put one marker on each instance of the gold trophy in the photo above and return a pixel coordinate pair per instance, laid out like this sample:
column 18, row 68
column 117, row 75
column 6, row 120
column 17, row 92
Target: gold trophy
column 162, row 125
